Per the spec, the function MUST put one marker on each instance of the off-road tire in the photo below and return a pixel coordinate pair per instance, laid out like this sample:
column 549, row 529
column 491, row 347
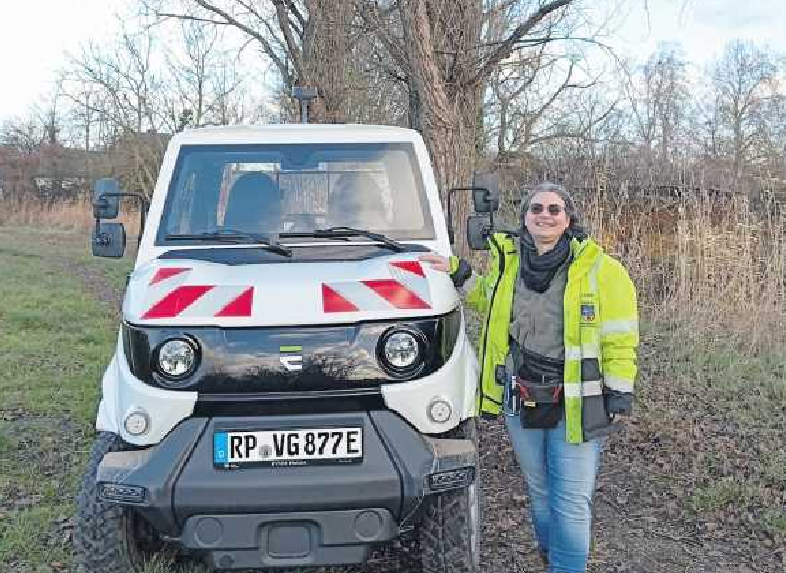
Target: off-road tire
column 447, row 541
column 109, row 538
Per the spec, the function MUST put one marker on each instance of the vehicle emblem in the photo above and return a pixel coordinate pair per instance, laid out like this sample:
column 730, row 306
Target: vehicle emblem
column 291, row 357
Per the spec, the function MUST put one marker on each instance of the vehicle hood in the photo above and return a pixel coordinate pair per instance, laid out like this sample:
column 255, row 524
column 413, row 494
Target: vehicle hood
column 185, row 292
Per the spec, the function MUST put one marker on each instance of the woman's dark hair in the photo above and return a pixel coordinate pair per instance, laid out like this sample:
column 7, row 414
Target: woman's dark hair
column 576, row 226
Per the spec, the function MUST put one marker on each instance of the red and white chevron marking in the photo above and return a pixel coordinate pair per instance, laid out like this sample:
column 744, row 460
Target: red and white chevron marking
column 169, row 297
column 407, row 288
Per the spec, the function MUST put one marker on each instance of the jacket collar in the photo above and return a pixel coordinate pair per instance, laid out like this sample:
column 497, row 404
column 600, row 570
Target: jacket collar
column 584, row 254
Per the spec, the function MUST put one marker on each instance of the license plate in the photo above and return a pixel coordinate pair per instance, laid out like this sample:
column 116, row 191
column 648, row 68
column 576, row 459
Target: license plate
column 286, row 448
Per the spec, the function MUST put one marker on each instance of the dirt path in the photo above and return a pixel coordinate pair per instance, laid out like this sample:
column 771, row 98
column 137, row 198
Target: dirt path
column 641, row 523
column 93, row 279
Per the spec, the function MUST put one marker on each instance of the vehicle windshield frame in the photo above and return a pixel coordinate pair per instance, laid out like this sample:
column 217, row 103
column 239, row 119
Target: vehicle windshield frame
column 427, row 233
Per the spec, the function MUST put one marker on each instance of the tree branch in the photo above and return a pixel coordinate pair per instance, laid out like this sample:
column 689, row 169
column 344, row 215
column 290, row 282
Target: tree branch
column 268, row 49
column 371, row 15
column 506, row 47
column 296, row 28
column 292, row 47
column 191, row 18
column 290, row 4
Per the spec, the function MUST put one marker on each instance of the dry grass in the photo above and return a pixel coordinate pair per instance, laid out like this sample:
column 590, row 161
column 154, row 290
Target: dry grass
column 65, row 215
column 708, row 264
column 709, row 269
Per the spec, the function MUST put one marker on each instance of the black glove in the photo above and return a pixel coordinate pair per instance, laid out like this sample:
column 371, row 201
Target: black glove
column 461, row 274
column 618, row 402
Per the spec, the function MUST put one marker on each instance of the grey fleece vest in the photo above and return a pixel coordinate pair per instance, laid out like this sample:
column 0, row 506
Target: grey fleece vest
column 537, row 318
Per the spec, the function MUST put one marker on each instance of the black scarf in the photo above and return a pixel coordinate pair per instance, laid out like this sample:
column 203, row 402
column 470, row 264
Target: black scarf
column 538, row 270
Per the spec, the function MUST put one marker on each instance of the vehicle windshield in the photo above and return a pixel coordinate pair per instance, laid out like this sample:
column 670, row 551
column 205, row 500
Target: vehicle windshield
column 279, row 189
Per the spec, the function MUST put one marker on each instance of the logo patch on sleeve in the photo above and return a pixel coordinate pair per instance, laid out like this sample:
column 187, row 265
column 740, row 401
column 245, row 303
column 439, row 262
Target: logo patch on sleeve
column 588, row 312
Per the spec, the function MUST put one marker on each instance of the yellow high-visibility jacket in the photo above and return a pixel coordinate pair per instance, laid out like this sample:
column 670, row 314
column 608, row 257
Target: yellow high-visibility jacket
column 600, row 331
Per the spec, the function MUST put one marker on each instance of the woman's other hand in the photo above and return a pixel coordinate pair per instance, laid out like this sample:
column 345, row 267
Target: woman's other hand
column 437, row 262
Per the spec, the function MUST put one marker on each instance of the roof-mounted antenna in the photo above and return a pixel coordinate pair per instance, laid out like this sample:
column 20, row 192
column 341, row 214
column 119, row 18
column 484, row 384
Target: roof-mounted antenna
column 304, row 96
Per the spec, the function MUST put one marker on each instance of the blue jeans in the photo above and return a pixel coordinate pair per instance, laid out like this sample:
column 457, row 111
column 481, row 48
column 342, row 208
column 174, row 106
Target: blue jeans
column 561, row 480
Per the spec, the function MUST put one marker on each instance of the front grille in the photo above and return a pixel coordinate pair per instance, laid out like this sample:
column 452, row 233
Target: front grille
column 277, row 403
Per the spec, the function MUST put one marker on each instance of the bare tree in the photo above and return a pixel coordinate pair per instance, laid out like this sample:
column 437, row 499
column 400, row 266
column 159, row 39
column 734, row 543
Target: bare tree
column 533, row 100
column 189, row 95
column 448, row 65
column 201, row 81
column 434, row 47
column 36, row 141
column 744, row 82
column 20, row 140
column 24, row 135
column 308, row 41
column 124, row 75
column 658, row 94
column 127, row 103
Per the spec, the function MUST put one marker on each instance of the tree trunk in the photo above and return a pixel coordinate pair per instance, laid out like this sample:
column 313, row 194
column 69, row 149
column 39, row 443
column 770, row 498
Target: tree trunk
column 665, row 143
column 448, row 109
column 326, row 58
column 88, row 167
column 503, row 127
column 738, row 150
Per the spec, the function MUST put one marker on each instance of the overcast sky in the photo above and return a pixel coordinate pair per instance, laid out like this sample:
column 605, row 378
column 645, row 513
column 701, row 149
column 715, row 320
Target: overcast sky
column 702, row 27
column 34, row 37
column 36, row 34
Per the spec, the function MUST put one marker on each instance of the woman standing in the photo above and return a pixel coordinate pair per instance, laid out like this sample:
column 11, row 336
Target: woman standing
column 558, row 345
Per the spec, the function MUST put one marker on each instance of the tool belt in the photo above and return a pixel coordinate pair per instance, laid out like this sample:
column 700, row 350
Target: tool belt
column 541, row 403
column 535, row 389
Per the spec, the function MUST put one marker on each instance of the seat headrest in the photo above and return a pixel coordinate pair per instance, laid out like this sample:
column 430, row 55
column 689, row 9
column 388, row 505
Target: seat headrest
column 356, row 201
column 254, row 204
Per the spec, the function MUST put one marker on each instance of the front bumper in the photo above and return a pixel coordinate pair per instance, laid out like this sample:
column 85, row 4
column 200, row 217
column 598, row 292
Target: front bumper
column 287, row 517
column 250, row 541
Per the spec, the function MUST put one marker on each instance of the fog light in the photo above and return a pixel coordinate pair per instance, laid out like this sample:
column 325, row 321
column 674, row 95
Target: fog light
column 122, row 493
column 137, row 422
column 439, row 410
column 451, row 479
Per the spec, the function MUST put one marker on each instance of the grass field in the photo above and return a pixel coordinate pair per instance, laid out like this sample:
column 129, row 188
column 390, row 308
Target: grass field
column 701, row 465
column 54, row 342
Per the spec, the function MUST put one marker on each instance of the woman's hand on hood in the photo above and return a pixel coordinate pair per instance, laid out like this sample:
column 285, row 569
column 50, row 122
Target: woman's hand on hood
column 437, row 262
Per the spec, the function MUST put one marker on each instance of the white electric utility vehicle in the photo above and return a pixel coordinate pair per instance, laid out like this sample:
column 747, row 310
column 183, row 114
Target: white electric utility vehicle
column 291, row 385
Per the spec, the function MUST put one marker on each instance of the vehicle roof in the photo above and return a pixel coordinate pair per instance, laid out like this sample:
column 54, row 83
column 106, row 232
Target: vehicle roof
column 295, row 133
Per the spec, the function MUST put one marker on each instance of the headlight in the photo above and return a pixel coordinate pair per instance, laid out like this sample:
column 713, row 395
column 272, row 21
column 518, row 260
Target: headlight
column 177, row 358
column 402, row 351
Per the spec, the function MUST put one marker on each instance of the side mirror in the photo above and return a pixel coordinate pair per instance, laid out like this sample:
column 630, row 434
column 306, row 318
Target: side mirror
column 478, row 231
column 106, row 201
column 485, row 200
column 109, row 240
column 485, row 194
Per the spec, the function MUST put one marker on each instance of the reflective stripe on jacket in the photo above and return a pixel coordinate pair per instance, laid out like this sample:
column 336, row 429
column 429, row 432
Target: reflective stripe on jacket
column 600, row 330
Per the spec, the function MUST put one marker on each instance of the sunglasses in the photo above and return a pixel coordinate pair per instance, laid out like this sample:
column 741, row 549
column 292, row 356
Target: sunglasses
column 553, row 209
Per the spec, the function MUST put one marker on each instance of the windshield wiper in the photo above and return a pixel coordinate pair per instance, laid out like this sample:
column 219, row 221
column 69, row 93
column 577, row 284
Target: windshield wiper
column 346, row 232
column 236, row 237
